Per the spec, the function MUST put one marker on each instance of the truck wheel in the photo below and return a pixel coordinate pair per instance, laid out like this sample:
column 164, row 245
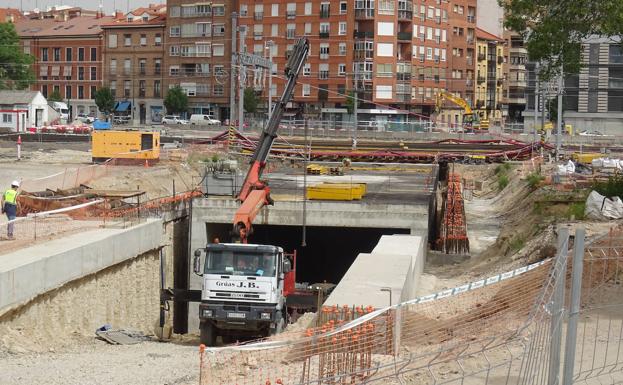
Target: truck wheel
column 208, row 333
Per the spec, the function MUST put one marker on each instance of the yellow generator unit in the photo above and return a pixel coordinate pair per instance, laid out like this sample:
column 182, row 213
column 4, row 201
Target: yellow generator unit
column 337, row 191
column 136, row 146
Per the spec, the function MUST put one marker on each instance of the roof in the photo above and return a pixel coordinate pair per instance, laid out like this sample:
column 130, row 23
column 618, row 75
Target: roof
column 484, row 35
column 17, row 97
column 82, row 25
column 118, row 23
column 7, row 13
column 153, row 9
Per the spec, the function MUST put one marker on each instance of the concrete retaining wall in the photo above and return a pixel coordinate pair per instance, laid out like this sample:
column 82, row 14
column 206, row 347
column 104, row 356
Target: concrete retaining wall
column 29, row 272
column 396, row 264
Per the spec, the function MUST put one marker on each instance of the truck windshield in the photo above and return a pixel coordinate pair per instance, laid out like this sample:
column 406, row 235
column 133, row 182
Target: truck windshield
column 240, row 263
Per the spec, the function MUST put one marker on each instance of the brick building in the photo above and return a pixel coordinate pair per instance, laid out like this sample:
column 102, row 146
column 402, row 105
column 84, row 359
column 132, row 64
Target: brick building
column 489, row 75
column 198, row 54
column 134, row 47
column 68, row 57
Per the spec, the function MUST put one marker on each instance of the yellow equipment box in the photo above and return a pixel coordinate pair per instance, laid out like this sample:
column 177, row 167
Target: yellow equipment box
column 337, row 191
column 586, row 157
column 133, row 145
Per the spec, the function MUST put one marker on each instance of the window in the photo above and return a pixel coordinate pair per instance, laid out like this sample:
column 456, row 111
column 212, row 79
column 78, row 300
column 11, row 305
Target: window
column 323, row 71
column 127, row 66
column 290, row 10
column 274, row 10
column 174, row 70
column 308, row 9
column 142, row 64
column 143, row 40
column 218, row 50
column 429, row 53
column 174, row 50
column 57, row 54
column 385, row 29
column 218, row 10
column 342, row 49
column 615, row 54
column 342, row 28
column 259, row 12
column 44, row 90
column 324, row 29
column 244, row 9
column 203, row 49
column 80, row 92
column 306, row 69
column 7, row 118
column 93, row 54
column 67, row 92
column 142, row 87
column 93, row 73
column 308, row 28
column 386, row 7
column 174, row 31
column 290, row 31
column 93, row 92
column 306, row 90
column 113, row 66
column 324, row 50
column 219, row 29
column 343, row 7
column 126, row 88
column 341, row 69
column 157, row 88
column 385, row 49
column 80, row 54
column 158, row 40
column 325, row 10
column 274, row 30
column 383, row 92
column 80, row 73
column 157, row 66
column 174, row 11
column 384, row 70
column 44, row 54
column 219, row 90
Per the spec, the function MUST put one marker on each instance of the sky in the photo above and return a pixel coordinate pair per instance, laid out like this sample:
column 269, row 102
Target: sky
column 108, row 5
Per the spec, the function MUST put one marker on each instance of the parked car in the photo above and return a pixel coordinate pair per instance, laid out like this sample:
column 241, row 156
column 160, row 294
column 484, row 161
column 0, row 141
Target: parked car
column 202, row 119
column 173, row 119
column 84, row 118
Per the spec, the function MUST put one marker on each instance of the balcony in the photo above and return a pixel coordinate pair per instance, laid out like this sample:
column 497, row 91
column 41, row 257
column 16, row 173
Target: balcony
column 324, row 13
column 291, row 34
column 482, row 56
column 364, row 13
column 470, row 40
column 518, row 83
column 324, row 56
column 363, row 55
column 404, row 36
column 290, row 15
column 403, row 76
column 403, row 98
column 500, row 59
column 469, row 82
column 405, row 15
column 258, row 16
column 471, row 18
column 469, row 60
column 481, row 79
column 323, row 35
column 363, row 35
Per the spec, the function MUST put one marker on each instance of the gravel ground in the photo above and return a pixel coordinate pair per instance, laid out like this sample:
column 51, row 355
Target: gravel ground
column 97, row 362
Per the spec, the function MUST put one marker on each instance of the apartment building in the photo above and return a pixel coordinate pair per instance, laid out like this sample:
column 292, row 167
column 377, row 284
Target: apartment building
column 134, row 48
column 397, row 51
column 516, row 76
column 197, row 54
column 68, row 57
column 489, row 85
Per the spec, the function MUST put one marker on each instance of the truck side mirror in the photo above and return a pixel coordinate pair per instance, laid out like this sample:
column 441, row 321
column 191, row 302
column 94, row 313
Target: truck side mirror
column 197, row 263
column 287, row 266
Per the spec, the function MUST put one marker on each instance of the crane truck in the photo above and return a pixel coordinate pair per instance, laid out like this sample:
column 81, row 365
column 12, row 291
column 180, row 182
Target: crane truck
column 471, row 121
column 245, row 286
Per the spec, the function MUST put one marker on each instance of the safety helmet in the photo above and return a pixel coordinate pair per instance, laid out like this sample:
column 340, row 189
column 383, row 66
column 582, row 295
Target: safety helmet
column 15, row 183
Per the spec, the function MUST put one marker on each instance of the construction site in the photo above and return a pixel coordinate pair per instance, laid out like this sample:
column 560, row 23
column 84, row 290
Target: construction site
column 268, row 257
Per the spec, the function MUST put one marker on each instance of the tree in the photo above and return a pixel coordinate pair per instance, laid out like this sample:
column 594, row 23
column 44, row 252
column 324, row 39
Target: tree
column 250, row 100
column 104, row 100
column 55, row 96
column 176, row 101
column 15, row 66
column 552, row 109
column 554, row 29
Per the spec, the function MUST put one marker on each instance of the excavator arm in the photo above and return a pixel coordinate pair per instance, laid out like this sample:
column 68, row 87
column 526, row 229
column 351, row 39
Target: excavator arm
column 255, row 193
column 456, row 100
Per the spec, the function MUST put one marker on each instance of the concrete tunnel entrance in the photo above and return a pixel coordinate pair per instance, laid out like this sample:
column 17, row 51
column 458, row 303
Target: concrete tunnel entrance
column 329, row 252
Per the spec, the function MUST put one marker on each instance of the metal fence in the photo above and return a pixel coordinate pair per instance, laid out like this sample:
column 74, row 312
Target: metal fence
column 558, row 321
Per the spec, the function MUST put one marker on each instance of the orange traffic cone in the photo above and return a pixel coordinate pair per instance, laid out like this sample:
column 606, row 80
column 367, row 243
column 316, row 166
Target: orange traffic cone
column 146, row 163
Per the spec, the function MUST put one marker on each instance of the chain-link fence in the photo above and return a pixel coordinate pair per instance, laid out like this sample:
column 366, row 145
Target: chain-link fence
column 508, row 329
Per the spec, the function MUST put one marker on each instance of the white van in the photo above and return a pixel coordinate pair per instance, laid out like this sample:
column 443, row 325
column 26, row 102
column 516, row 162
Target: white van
column 62, row 109
column 201, row 119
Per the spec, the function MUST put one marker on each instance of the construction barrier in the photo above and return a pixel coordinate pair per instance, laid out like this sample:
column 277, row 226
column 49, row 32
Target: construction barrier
column 506, row 329
column 453, row 229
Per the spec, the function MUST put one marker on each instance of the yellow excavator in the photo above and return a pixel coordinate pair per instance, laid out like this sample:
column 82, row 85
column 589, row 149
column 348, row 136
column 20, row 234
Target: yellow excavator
column 471, row 121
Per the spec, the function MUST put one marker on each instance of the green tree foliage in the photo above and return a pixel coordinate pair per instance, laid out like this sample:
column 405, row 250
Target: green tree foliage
column 552, row 110
column 55, row 96
column 15, row 66
column 250, row 100
column 104, row 100
column 555, row 29
column 176, row 101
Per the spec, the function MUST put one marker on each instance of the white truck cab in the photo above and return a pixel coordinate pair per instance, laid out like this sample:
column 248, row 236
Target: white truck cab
column 242, row 292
